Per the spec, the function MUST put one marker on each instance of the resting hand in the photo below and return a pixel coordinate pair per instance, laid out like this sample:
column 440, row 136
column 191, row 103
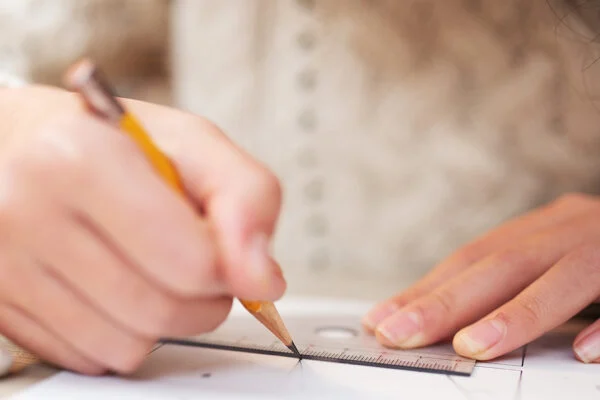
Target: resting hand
column 506, row 288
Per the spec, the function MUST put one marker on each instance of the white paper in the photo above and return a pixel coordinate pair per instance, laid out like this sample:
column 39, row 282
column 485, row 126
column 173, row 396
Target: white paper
column 180, row 373
column 545, row 369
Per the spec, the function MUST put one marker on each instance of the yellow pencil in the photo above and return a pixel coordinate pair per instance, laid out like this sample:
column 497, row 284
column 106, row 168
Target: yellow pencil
column 85, row 78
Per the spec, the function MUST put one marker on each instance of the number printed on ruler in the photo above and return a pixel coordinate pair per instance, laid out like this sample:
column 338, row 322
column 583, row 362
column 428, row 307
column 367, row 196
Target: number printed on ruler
column 331, row 339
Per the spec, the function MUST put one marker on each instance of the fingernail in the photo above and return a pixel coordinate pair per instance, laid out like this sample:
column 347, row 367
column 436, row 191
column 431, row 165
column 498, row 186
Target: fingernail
column 262, row 268
column 480, row 337
column 402, row 329
column 6, row 361
column 378, row 314
column 588, row 348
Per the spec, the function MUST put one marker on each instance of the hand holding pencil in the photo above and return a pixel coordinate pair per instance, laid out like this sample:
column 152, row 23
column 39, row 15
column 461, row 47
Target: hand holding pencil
column 102, row 258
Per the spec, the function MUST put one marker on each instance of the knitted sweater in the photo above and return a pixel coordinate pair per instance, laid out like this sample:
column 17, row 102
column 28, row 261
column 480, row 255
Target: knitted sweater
column 400, row 130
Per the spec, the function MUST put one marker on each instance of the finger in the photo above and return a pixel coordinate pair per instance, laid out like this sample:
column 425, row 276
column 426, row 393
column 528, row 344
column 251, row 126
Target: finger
column 22, row 330
column 72, row 320
column 480, row 289
column 112, row 286
column 251, row 271
column 104, row 276
column 569, row 286
column 243, row 206
column 102, row 175
column 240, row 196
column 587, row 344
column 506, row 235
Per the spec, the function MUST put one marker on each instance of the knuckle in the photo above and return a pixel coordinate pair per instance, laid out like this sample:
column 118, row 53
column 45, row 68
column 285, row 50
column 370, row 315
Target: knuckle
column 203, row 125
column 266, row 184
column 532, row 309
column 58, row 155
column 188, row 128
column 470, row 253
column 445, row 302
column 510, row 257
column 62, row 142
column 587, row 260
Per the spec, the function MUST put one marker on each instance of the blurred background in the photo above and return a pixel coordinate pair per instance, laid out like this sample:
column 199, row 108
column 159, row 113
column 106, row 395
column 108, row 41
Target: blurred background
column 130, row 39
column 401, row 129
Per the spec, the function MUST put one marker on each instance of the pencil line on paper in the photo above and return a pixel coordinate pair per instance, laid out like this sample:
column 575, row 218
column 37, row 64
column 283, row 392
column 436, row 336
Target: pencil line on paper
column 156, row 347
column 518, row 392
column 298, row 365
column 458, row 387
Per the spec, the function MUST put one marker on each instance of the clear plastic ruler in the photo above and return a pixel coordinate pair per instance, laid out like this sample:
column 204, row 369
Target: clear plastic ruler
column 331, row 339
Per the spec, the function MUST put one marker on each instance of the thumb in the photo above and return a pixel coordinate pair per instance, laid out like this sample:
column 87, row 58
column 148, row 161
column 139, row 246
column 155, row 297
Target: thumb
column 245, row 215
column 239, row 197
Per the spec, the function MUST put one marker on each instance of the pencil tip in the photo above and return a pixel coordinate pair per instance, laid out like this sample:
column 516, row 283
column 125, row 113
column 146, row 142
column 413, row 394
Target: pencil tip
column 294, row 350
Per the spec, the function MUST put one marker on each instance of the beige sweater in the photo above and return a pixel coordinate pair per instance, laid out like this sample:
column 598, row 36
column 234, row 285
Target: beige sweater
column 400, row 129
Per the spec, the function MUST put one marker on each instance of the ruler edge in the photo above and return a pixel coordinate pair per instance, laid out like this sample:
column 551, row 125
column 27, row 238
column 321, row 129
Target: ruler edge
column 211, row 345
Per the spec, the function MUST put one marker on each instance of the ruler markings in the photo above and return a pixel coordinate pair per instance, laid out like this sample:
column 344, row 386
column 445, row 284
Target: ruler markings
column 362, row 361
column 360, row 350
